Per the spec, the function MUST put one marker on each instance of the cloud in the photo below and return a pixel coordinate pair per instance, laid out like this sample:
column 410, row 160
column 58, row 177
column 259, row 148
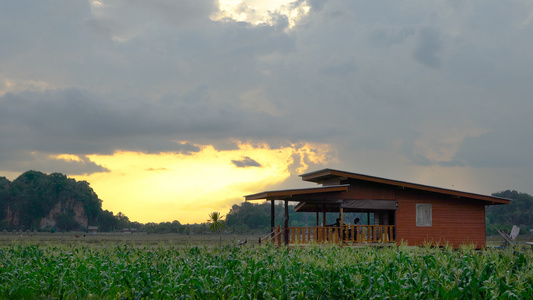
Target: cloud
column 428, row 47
column 156, row 169
column 285, row 13
column 502, row 147
column 75, row 121
column 428, row 84
column 246, row 162
column 45, row 162
column 439, row 142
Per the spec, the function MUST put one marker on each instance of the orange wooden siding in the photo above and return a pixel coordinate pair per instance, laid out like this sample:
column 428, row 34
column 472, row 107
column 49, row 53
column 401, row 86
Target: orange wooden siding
column 454, row 221
column 370, row 190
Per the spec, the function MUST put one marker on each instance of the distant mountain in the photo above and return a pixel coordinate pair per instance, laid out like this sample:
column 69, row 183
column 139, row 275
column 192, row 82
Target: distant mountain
column 37, row 201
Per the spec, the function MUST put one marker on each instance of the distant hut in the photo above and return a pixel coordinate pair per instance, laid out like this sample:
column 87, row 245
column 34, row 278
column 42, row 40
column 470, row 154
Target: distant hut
column 92, row 229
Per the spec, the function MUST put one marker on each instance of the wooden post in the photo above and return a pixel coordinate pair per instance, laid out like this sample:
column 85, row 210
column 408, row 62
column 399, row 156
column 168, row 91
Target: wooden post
column 341, row 225
column 286, row 223
column 278, row 231
column 272, row 216
column 315, row 236
column 324, row 215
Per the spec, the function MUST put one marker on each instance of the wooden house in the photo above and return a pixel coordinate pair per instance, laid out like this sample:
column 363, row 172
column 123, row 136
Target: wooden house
column 401, row 212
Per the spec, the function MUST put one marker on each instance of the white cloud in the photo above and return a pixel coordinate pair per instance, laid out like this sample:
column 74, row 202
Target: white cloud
column 259, row 12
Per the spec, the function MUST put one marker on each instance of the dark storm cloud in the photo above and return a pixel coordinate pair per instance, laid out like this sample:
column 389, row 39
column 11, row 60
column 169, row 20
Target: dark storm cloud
column 502, row 148
column 387, row 37
column 431, row 83
column 246, row 162
column 74, row 121
column 23, row 160
column 428, row 46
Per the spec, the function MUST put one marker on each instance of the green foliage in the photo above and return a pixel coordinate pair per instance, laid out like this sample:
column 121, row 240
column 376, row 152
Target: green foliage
column 66, row 221
column 164, row 227
column 122, row 272
column 249, row 217
column 32, row 195
column 122, row 220
column 107, row 221
column 5, row 196
column 216, row 224
column 255, row 218
column 518, row 212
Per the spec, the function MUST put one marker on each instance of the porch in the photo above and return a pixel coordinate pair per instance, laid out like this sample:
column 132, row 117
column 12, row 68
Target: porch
column 343, row 235
column 378, row 214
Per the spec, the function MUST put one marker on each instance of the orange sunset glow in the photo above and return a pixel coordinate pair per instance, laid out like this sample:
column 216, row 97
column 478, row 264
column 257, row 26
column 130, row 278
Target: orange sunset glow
column 186, row 187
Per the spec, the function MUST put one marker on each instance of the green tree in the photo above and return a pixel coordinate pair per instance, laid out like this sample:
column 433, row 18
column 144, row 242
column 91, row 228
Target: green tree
column 5, row 199
column 251, row 217
column 216, row 224
column 67, row 222
column 123, row 220
column 518, row 212
column 107, row 221
column 34, row 194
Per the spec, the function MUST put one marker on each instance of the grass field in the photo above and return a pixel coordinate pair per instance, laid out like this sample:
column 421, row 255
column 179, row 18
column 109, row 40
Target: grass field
column 138, row 266
column 135, row 239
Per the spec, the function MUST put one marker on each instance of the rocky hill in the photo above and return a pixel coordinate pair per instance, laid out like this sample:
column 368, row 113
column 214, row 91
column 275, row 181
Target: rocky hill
column 37, row 201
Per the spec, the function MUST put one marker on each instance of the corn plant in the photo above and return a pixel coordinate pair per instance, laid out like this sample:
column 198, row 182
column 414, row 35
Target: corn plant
column 321, row 272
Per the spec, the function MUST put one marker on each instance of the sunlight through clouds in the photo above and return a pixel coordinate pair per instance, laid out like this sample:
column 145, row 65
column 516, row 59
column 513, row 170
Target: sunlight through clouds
column 96, row 3
column 173, row 186
column 67, row 157
column 259, row 12
column 11, row 85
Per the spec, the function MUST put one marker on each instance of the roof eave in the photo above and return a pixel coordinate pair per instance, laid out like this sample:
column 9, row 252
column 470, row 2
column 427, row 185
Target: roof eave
column 286, row 194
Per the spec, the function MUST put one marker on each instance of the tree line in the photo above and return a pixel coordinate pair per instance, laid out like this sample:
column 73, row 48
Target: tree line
column 519, row 212
column 255, row 218
column 31, row 197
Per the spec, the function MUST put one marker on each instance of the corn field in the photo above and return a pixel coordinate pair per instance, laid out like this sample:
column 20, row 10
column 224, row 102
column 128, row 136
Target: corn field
column 124, row 272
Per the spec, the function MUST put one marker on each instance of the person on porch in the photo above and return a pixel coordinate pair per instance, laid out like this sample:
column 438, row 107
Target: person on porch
column 356, row 221
column 336, row 224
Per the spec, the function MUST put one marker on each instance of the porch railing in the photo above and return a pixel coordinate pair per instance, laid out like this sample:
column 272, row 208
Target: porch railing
column 349, row 234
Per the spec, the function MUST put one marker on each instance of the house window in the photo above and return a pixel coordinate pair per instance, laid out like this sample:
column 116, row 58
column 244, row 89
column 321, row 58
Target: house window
column 423, row 215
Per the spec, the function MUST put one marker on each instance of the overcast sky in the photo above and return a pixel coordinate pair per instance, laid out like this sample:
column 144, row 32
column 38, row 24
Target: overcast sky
column 432, row 92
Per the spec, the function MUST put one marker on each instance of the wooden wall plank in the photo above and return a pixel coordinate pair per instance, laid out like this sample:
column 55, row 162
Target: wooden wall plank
column 453, row 221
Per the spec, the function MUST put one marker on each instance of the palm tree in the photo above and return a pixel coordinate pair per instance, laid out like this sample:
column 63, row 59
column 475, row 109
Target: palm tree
column 216, row 224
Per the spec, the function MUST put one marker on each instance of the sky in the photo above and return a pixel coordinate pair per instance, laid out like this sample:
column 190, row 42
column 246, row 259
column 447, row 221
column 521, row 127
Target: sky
column 175, row 109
